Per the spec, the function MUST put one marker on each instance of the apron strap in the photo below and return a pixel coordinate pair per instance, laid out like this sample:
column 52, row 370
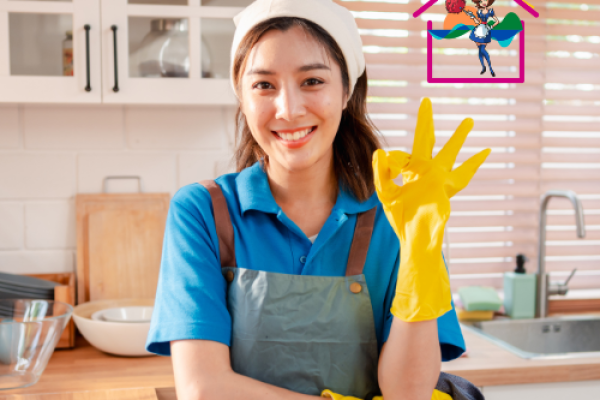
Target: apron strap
column 222, row 223
column 360, row 242
column 358, row 251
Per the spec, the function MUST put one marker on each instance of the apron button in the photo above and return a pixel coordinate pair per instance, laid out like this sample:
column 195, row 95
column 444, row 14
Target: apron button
column 229, row 276
column 355, row 287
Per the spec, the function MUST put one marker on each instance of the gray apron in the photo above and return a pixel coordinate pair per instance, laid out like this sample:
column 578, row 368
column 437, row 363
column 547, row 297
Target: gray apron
column 302, row 333
column 307, row 333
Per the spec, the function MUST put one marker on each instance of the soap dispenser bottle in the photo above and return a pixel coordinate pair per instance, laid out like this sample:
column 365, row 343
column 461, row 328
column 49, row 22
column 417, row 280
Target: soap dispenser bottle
column 519, row 291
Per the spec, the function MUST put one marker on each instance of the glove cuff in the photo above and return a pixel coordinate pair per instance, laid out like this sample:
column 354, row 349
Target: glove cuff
column 422, row 289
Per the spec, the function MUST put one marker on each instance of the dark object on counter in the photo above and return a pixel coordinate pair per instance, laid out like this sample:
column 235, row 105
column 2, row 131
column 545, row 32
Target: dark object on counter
column 521, row 259
column 14, row 286
column 455, row 386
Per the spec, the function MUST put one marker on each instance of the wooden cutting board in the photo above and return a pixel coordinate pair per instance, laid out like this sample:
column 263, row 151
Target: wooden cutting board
column 119, row 244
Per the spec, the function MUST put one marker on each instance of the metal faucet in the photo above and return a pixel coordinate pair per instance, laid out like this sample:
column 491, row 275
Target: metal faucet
column 544, row 288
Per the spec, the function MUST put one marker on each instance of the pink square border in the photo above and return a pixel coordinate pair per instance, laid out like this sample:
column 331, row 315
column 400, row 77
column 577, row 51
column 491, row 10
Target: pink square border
column 431, row 79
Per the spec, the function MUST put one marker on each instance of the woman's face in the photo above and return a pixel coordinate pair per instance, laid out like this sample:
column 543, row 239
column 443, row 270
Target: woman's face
column 292, row 97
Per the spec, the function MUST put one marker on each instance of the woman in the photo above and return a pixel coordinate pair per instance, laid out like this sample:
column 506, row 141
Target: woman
column 482, row 33
column 276, row 281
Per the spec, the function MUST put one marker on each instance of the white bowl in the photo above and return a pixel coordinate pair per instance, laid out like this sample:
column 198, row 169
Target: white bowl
column 132, row 314
column 123, row 339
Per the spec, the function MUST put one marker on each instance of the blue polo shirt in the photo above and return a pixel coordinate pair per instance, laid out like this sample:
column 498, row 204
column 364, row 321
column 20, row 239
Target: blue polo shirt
column 191, row 293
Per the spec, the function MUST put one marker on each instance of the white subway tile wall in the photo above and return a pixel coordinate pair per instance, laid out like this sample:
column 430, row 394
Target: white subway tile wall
column 175, row 128
column 12, row 226
column 158, row 170
column 49, row 224
column 28, row 175
column 197, row 166
column 37, row 262
column 77, row 127
column 49, row 153
column 9, row 127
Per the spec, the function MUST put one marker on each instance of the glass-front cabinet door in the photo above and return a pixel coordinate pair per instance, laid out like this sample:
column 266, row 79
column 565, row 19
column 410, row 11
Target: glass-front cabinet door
column 168, row 51
column 50, row 51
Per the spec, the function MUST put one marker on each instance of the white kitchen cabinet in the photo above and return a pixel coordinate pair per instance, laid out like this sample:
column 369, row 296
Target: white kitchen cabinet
column 584, row 390
column 32, row 32
column 31, row 51
column 132, row 22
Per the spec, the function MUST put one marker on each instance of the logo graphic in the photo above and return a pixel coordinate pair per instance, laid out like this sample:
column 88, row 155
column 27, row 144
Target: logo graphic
column 482, row 25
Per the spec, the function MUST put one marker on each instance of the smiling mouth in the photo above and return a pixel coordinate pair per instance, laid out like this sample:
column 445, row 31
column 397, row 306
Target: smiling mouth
column 296, row 136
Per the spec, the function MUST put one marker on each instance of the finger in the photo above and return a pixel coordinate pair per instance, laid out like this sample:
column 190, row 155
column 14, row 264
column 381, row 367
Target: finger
column 447, row 155
column 397, row 160
column 461, row 176
column 386, row 189
column 424, row 133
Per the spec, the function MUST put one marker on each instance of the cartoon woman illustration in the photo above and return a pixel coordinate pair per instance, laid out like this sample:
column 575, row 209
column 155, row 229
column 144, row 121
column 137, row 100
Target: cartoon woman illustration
column 482, row 33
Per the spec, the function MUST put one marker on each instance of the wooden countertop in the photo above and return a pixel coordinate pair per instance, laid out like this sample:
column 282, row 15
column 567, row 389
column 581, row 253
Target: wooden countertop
column 86, row 369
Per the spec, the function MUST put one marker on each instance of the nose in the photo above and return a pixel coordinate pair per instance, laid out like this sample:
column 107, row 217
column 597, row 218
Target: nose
column 290, row 103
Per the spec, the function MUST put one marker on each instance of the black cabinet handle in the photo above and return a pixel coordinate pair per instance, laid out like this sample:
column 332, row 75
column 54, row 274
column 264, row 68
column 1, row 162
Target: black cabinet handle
column 116, row 87
column 87, row 28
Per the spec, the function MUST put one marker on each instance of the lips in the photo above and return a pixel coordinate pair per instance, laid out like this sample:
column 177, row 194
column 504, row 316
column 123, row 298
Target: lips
column 292, row 136
column 295, row 138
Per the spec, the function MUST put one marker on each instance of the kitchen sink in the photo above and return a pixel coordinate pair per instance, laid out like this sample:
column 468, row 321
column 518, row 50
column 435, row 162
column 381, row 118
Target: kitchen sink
column 543, row 338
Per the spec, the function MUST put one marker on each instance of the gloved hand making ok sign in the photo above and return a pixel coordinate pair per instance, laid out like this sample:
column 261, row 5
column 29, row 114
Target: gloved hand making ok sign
column 418, row 212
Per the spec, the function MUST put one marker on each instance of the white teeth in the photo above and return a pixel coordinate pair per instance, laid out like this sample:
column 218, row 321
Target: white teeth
column 294, row 136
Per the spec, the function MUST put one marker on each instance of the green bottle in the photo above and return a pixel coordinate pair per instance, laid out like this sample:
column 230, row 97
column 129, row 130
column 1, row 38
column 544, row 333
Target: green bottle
column 519, row 291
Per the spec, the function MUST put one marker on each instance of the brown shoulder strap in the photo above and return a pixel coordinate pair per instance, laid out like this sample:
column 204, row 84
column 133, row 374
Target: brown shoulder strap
column 360, row 242
column 222, row 223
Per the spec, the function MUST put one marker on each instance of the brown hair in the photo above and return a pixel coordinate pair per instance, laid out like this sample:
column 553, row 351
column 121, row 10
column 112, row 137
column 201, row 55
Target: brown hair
column 489, row 3
column 356, row 138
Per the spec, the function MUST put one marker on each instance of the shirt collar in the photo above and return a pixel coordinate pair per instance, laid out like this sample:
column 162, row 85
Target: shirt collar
column 255, row 194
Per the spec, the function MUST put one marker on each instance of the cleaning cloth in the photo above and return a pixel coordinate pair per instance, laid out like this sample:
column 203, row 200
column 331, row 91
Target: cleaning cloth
column 479, row 298
column 332, row 17
column 464, row 315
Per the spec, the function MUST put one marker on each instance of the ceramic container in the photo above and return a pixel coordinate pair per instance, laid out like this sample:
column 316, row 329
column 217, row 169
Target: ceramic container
column 119, row 338
column 134, row 314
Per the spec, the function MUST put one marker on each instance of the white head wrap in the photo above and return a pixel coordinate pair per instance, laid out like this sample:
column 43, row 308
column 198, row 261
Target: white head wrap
column 335, row 19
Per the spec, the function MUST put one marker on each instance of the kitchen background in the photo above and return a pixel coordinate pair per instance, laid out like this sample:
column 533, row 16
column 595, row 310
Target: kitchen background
column 84, row 95
column 48, row 153
column 174, row 131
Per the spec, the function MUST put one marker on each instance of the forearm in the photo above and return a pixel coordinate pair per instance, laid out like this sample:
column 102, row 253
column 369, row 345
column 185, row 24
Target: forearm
column 410, row 361
column 233, row 386
column 203, row 372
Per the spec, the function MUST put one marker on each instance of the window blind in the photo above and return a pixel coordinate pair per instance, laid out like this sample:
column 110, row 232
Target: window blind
column 544, row 133
column 570, row 137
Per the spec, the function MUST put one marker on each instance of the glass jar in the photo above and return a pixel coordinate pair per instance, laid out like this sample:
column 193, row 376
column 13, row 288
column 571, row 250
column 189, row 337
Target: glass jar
column 67, row 54
column 164, row 52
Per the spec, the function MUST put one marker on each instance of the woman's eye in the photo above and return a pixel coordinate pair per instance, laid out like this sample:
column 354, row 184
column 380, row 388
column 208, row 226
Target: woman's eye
column 313, row 81
column 259, row 85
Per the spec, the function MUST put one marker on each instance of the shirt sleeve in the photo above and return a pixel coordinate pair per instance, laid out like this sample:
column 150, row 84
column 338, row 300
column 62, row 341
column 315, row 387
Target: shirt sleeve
column 191, row 293
column 452, row 343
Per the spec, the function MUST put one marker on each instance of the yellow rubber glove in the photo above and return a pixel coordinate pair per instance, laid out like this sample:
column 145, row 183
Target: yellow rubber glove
column 437, row 395
column 418, row 212
column 328, row 394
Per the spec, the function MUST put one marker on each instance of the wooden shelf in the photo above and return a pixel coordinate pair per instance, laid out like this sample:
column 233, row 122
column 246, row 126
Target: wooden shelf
column 65, row 293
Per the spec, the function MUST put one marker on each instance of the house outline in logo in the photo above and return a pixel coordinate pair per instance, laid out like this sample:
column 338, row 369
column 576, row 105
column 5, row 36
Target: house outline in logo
column 431, row 79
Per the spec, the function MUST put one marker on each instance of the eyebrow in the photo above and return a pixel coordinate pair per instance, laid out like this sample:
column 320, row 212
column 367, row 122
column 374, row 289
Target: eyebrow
column 304, row 68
